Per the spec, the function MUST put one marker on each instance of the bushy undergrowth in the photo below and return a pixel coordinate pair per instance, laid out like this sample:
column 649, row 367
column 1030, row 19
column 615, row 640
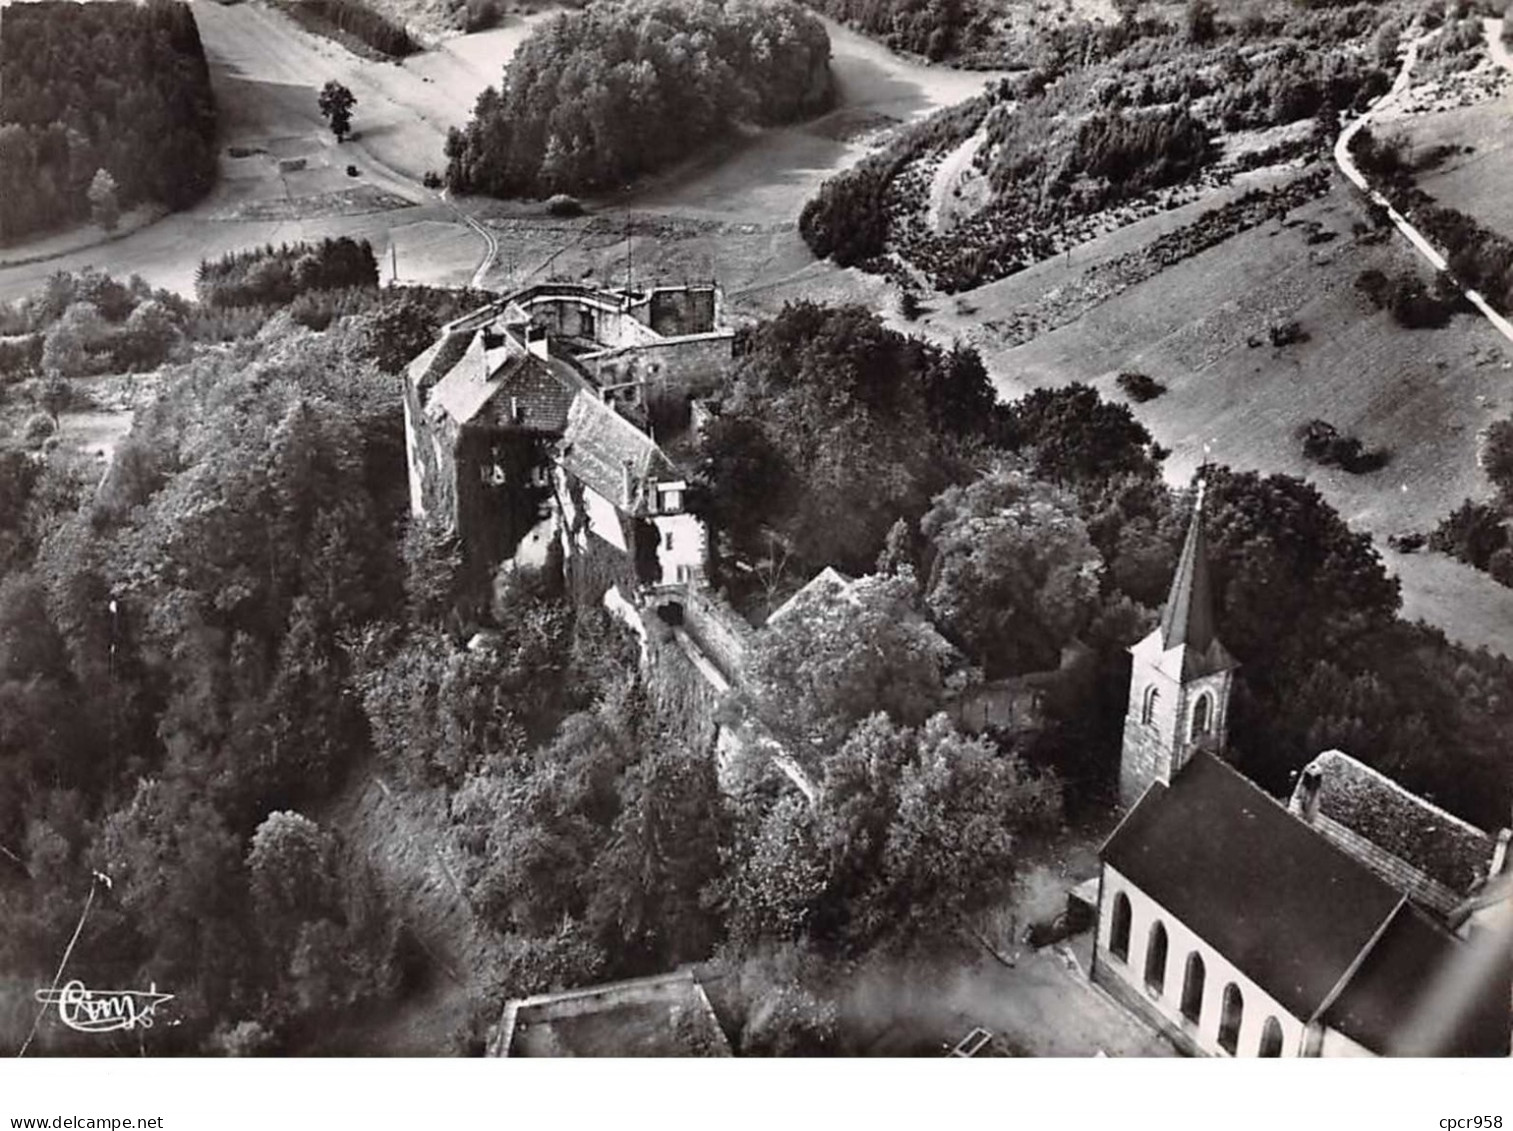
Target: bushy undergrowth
column 1106, row 117
column 357, row 19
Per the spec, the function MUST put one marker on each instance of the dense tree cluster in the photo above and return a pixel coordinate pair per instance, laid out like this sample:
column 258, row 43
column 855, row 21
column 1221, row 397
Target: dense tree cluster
column 832, row 427
column 587, row 100
column 275, row 276
column 118, row 88
column 87, row 323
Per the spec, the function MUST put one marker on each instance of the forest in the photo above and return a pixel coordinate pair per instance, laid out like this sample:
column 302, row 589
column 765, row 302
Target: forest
column 585, row 103
column 208, row 656
column 118, row 88
column 270, row 276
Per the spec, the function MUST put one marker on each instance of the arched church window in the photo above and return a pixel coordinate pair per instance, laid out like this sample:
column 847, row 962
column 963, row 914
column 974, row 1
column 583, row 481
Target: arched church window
column 1271, row 1038
column 1192, row 987
column 1118, row 940
column 1155, row 959
column 1231, row 1018
column 1148, row 705
column 1203, row 715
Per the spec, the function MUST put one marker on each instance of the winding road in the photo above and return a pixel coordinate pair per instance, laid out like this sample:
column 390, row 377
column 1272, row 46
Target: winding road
column 1346, row 162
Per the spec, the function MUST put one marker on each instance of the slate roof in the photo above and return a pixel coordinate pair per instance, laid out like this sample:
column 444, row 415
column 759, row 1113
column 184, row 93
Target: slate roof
column 444, row 353
column 599, row 443
column 1378, row 1001
column 1440, row 845
column 542, row 389
column 828, row 584
column 1279, row 901
column 1188, row 626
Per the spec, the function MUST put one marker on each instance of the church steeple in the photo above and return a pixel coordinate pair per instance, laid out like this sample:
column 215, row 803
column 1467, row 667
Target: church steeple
column 1180, row 677
column 1189, row 614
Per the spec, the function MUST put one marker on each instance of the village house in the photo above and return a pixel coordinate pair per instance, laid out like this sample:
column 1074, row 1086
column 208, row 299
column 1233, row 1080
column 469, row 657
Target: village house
column 1237, row 926
column 554, row 419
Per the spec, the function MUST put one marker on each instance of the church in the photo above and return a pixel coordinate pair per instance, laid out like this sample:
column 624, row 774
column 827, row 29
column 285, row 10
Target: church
column 1357, row 920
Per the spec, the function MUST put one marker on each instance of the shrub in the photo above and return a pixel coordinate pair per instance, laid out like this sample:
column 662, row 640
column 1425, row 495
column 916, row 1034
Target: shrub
column 908, row 306
column 1323, row 444
column 561, row 204
column 1500, row 566
column 1473, row 532
column 20, row 356
column 39, row 426
column 1286, row 333
column 1140, row 387
column 356, row 19
column 479, row 15
column 1414, row 308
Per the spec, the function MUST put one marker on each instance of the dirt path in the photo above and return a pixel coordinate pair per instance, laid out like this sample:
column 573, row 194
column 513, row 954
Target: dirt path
column 947, row 177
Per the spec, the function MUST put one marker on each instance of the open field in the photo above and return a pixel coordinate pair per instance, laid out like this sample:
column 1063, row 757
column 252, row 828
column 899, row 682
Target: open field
column 1476, row 182
column 1423, row 394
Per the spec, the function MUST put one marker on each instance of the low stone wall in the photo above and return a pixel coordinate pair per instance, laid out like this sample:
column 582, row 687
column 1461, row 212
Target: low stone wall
column 721, row 633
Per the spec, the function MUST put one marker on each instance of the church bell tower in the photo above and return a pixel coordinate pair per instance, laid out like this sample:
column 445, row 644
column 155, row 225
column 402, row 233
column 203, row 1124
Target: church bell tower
column 1180, row 677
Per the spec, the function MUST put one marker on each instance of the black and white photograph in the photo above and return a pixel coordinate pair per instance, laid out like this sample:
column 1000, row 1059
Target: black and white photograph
column 908, row 530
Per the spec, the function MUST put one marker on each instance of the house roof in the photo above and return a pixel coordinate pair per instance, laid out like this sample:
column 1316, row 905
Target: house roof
column 1368, row 803
column 1279, row 901
column 444, row 353
column 827, row 585
column 1378, row 1003
column 599, row 445
column 507, row 379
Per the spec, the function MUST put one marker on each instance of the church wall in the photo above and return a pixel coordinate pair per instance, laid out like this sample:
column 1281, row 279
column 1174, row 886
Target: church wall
column 1337, row 1044
column 1149, row 747
column 1125, row 979
column 1147, row 750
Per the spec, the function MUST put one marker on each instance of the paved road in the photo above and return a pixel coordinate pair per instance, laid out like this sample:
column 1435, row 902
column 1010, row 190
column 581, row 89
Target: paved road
column 1346, row 162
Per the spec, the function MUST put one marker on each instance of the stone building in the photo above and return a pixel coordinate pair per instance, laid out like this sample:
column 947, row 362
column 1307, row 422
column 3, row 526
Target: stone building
column 1238, row 926
column 555, row 416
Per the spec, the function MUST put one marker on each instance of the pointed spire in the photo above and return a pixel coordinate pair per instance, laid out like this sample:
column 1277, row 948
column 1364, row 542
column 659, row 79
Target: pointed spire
column 1189, row 614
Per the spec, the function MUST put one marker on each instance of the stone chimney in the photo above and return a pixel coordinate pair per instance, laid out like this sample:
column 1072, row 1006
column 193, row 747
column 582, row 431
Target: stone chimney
column 1500, row 854
column 628, row 484
column 1305, row 798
